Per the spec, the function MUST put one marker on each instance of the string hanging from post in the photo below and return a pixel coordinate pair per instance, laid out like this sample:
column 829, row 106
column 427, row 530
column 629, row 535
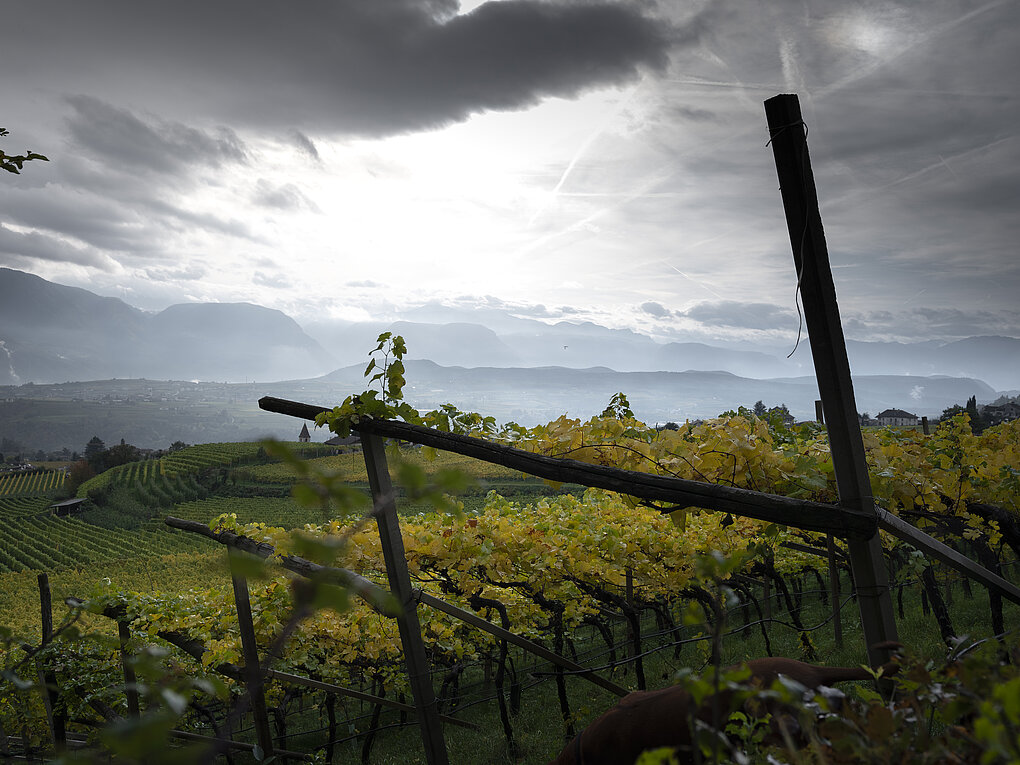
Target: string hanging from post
column 803, row 239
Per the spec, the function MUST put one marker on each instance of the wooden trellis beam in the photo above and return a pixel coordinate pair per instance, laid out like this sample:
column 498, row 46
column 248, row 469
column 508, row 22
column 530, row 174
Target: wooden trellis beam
column 936, row 549
column 846, row 523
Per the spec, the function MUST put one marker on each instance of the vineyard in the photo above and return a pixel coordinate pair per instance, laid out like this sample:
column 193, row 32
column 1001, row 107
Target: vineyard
column 184, row 462
column 31, row 483
column 612, row 583
column 47, row 543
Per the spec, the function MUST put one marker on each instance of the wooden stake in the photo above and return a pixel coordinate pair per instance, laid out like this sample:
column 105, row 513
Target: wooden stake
column 252, row 669
column 400, row 585
column 832, row 367
column 130, row 680
column 834, row 594
column 47, row 678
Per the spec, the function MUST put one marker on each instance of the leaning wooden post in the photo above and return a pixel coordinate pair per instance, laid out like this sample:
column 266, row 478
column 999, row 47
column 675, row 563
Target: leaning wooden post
column 130, row 680
column 47, row 678
column 788, row 137
column 400, row 585
column 834, row 594
column 253, row 675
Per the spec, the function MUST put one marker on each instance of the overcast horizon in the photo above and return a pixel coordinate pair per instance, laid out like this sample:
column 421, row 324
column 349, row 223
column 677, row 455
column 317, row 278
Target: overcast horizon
column 558, row 160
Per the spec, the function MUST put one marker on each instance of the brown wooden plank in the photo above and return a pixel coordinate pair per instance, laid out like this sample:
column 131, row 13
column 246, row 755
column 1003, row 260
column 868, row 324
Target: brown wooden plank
column 378, row 598
column 846, row 523
column 936, row 549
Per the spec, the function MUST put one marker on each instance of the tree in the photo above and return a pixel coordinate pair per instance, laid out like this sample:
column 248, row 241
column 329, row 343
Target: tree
column 120, row 454
column 759, row 408
column 79, row 473
column 177, row 446
column 14, row 163
column 977, row 422
column 94, row 451
column 619, row 407
column 950, row 412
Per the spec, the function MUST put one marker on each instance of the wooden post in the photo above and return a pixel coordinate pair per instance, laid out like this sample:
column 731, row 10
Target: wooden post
column 252, row 668
column 629, row 595
column 924, row 426
column 400, row 585
column 788, row 137
column 819, row 413
column 834, row 594
column 47, row 678
column 130, row 680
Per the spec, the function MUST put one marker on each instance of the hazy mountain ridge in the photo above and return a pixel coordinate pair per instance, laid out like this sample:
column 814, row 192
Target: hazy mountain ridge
column 538, row 394
column 53, row 333
column 154, row 414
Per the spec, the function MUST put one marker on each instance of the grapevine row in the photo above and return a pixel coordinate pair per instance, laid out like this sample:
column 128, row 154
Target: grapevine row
column 15, row 507
column 46, row 543
column 30, row 483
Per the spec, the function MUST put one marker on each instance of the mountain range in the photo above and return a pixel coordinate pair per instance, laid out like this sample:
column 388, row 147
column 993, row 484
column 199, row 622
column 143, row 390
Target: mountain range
column 52, row 333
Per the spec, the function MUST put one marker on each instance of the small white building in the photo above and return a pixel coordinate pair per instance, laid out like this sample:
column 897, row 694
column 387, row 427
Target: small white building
column 896, row 417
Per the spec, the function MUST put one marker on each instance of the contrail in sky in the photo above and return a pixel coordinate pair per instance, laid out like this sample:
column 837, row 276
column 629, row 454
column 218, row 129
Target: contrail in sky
column 690, row 279
column 585, row 146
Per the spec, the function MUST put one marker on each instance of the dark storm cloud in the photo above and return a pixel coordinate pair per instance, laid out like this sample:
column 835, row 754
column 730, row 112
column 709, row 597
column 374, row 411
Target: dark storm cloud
column 286, row 196
column 346, row 66
column 189, row 273
column 116, row 185
column 33, row 244
column 729, row 313
column 276, row 281
column 114, row 135
column 922, row 323
column 657, row 310
column 87, row 218
column 306, row 144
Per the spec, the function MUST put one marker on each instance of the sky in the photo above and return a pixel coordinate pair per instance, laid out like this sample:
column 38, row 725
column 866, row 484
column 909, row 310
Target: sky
column 558, row 159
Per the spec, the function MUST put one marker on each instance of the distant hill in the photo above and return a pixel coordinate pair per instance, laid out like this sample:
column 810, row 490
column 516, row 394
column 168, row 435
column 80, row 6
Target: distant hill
column 538, row 394
column 52, row 333
column 996, row 360
column 154, row 414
